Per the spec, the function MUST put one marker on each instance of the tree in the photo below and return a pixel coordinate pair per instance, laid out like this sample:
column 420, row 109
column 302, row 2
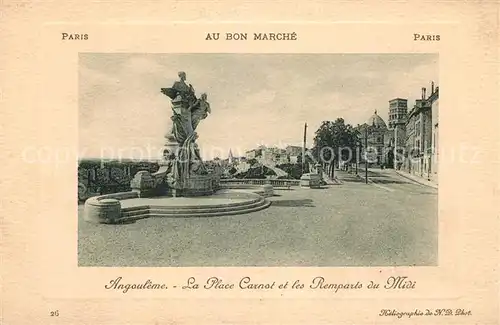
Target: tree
column 335, row 141
column 294, row 170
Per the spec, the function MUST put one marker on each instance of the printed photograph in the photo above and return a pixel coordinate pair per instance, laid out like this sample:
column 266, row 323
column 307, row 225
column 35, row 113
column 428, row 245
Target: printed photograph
column 279, row 160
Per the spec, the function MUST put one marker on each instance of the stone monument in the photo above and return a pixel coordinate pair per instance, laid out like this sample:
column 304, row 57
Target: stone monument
column 182, row 171
column 182, row 175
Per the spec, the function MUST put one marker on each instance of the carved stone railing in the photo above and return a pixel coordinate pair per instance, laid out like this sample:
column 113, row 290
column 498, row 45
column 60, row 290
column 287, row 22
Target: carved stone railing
column 276, row 183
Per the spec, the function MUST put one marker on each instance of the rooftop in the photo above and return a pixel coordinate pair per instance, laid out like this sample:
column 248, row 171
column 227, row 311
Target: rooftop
column 377, row 121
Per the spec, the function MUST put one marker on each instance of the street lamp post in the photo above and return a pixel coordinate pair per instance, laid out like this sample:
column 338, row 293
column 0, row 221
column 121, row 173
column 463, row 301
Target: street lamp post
column 366, row 155
column 358, row 145
column 304, row 148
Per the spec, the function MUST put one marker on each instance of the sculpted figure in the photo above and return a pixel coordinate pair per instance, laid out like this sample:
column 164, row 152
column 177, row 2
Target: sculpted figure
column 187, row 112
column 197, row 167
column 183, row 98
column 163, row 178
column 200, row 110
column 185, row 92
column 168, row 169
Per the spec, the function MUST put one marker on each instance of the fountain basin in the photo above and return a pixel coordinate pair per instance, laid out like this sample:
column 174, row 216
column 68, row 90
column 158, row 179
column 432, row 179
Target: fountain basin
column 132, row 207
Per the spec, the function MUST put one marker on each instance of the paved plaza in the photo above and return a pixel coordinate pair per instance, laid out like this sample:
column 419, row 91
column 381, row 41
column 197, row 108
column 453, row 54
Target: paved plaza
column 391, row 221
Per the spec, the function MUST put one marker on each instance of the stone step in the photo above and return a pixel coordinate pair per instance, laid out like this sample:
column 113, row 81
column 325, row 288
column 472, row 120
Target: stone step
column 174, row 210
column 245, row 205
column 232, row 204
column 142, row 210
column 193, row 207
column 166, row 214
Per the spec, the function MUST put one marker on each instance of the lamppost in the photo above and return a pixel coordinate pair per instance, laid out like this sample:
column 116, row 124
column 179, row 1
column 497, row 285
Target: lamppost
column 366, row 155
column 304, row 148
column 358, row 145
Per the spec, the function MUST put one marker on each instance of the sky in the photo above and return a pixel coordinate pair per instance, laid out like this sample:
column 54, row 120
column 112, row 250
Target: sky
column 256, row 99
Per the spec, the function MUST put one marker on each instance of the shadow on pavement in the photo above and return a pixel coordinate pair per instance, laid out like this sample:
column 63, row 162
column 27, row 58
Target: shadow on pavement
column 293, row 203
column 377, row 175
column 353, row 179
column 388, row 181
column 125, row 222
column 424, row 193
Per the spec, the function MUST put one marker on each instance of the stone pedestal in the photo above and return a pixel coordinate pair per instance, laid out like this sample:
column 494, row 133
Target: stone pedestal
column 198, row 185
column 143, row 183
column 171, row 144
column 102, row 211
column 310, row 180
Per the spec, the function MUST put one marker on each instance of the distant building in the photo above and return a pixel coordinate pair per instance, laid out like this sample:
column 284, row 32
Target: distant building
column 434, row 99
column 293, row 150
column 410, row 140
column 269, row 156
column 378, row 140
column 293, row 153
column 231, row 160
column 273, row 156
column 398, row 115
column 253, row 154
column 422, row 136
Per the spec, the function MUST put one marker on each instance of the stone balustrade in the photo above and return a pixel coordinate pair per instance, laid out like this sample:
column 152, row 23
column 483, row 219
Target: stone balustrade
column 276, row 183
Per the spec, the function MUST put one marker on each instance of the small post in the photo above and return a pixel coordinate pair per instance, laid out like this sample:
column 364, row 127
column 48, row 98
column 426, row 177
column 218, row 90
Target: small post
column 366, row 155
column 357, row 156
column 304, row 148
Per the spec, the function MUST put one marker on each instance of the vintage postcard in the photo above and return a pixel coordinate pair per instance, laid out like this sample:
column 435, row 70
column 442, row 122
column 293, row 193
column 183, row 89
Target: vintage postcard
column 198, row 167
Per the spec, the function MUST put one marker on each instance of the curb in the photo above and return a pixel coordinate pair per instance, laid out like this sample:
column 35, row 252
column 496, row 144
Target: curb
column 423, row 182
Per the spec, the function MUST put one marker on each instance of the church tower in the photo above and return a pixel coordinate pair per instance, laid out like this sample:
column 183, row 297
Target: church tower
column 398, row 113
column 230, row 157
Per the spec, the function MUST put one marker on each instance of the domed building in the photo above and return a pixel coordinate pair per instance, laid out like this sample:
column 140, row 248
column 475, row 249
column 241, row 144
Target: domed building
column 376, row 121
column 379, row 141
column 409, row 141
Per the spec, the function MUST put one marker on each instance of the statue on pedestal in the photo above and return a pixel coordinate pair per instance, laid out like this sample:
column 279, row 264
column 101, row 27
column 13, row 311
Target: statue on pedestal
column 187, row 112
